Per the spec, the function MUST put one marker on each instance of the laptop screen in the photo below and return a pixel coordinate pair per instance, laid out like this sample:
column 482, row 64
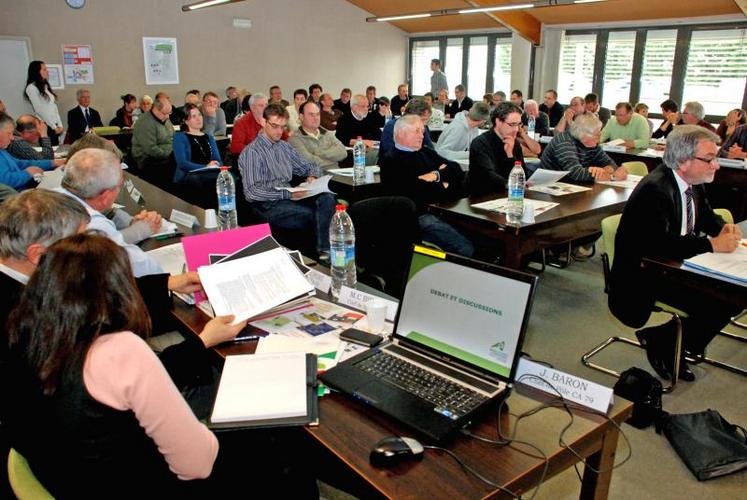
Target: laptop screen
column 469, row 312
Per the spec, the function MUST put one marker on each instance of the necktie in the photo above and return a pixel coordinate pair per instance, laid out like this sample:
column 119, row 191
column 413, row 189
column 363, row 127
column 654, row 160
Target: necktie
column 689, row 208
column 88, row 118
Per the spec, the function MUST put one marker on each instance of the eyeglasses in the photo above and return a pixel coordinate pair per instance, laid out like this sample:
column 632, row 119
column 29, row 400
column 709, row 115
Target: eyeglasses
column 707, row 160
column 275, row 126
column 513, row 124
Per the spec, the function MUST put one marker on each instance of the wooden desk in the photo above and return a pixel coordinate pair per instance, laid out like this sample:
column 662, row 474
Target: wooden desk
column 576, row 216
column 345, row 188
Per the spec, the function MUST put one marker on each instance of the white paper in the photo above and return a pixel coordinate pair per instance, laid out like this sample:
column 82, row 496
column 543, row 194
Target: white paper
column 348, row 172
column 161, row 61
column 501, row 205
column 732, row 162
column 52, row 179
column 167, row 227
column 251, row 285
column 358, row 299
column 319, row 345
column 629, row 183
column 321, row 281
column 261, row 386
column 543, row 176
column 170, row 257
column 559, row 189
column 655, row 153
column 615, row 142
column 731, row 265
column 318, row 186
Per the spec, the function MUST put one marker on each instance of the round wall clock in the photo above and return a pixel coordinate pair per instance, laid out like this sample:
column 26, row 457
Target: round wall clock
column 76, row 4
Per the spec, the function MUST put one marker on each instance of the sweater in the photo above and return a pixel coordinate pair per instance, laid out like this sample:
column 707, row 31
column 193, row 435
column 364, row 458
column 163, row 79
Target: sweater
column 455, row 139
column 151, row 138
column 326, row 150
column 215, row 125
column 245, row 130
column 22, row 150
column 567, row 153
column 46, row 108
column 635, row 130
column 489, row 166
column 349, row 127
column 13, row 171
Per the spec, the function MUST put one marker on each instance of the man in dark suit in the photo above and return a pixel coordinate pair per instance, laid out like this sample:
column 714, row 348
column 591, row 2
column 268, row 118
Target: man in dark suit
column 461, row 103
column 83, row 117
column 669, row 216
column 591, row 103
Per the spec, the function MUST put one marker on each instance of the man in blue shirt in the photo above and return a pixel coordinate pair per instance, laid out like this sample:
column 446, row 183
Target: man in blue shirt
column 19, row 174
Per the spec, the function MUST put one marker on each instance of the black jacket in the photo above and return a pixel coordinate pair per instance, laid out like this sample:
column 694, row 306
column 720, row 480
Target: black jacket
column 455, row 108
column 76, row 122
column 488, row 164
column 348, row 127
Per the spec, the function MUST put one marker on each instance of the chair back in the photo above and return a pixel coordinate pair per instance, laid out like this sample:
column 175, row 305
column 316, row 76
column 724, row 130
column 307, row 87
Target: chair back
column 609, row 231
column 636, row 167
column 22, row 480
column 725, row 214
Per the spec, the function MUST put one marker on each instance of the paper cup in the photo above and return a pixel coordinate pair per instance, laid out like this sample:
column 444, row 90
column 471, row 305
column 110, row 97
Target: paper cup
column 375, row 315
column 211, row 220
column 369, row 175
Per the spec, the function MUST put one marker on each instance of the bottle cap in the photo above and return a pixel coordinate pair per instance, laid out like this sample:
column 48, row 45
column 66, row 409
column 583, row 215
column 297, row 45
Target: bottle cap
column 340, row 208
column 225, row 167
column 360, row 138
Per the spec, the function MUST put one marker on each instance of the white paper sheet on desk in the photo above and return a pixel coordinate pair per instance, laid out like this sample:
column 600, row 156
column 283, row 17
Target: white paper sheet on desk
column 170, row 257
column 731, row 265
column 501, row 205
column 167, row 227
column 655, row 153
column 52, row 179
column 321, row 344
column 558, row 189
column 319, row 186
column 629, row 183
column 543, row 176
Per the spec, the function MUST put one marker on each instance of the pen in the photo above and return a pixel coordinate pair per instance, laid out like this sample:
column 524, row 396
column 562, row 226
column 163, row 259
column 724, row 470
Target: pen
column 247, row 338
column 167, row 236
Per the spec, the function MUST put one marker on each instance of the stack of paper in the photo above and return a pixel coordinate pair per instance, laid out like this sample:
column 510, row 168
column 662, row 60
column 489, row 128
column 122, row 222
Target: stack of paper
column 730, row 265
column 309, row 189
column 629, row 183
column 501, row 205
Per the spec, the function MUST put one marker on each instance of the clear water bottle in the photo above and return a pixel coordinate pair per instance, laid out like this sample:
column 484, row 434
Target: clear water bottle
column 226, row 199
column 359, row 162
column 342, row 251
column 516, row 183
column 530, row 127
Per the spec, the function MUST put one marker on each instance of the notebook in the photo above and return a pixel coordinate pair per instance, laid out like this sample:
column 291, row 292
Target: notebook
column 457, row 339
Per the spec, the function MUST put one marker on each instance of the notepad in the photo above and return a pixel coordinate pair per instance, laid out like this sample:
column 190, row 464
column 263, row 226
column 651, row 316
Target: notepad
column 256, row 387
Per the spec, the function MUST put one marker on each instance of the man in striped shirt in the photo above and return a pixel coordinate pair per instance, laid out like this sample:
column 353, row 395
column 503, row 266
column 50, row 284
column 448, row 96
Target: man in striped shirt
column 577, row 151
column 269, row 163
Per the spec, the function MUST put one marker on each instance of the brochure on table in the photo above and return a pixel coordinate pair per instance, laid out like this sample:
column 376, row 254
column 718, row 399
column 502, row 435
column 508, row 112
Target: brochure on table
column 501, row 205
column 731, row 265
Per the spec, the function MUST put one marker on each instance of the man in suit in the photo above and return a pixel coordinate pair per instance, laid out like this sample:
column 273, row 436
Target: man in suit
column 669, row 216
column 591, row 103
column 461, row 103
column 83, row 117
column 552, row 107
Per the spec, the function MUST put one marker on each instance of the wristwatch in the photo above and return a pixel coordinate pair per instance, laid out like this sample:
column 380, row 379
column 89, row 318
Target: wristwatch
column 612, row 176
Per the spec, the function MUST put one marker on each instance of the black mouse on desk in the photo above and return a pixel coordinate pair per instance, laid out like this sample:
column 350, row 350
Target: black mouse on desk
column 394, row 449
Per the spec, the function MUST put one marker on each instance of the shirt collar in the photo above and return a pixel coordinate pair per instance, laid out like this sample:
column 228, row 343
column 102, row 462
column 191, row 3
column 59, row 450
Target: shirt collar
column 16, row 275
column 681, row 183
column 315, row 136
column 404, row 148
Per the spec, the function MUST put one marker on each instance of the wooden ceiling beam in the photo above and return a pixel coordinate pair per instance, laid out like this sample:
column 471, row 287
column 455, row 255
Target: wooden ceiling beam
column 518, row 21
column 742, row 4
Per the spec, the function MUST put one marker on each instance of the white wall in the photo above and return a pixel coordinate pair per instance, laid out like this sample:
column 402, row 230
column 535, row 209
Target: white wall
column 291, row 43
column 521, row 59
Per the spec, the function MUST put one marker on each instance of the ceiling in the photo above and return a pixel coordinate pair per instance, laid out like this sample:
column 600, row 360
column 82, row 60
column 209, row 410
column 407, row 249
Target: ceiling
column 529, row 22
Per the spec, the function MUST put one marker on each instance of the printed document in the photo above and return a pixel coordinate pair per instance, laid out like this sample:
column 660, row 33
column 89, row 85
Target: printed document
column 309, row 189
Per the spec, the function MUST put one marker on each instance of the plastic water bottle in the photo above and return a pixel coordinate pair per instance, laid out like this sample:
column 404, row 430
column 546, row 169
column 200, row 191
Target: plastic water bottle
column 516, row 183
column 359, row 162
column 342, row 251
column 226, row 199
column 530, row 127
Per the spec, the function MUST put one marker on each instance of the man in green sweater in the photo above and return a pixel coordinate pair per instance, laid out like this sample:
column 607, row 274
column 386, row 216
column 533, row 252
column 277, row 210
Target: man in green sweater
column 151, row 142
column 628, row 126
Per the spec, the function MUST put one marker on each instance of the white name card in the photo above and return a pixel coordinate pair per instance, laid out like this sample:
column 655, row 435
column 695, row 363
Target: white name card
column 356, row 298
column 129, row 185
column 321, row 281
column 183, row 218
column 135, row 195
column 612, row 148
column 573, row 388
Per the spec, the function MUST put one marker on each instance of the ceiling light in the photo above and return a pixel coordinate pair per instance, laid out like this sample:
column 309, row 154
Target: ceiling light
column 207, row 3
column 496, row 9
column 404, row 16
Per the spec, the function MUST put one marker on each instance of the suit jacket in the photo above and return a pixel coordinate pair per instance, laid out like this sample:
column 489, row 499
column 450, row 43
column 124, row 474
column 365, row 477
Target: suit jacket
column 76, row 122
column 604, row 115
column 650, row 226
column 455, row 107
column 541, row 123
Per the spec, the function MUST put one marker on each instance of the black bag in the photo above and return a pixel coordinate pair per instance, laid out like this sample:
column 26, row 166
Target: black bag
column 644, row 390
column 709, row 445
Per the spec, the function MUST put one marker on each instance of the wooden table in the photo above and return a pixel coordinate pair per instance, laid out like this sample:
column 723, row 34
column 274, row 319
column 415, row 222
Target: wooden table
column 577, row 215
column 346, row 189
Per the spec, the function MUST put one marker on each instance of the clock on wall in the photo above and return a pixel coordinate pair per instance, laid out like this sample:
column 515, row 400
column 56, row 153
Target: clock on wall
column 76, row 4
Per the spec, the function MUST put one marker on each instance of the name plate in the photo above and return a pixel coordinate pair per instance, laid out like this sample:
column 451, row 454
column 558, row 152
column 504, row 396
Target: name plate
column 183, row 218
column 573, row 388
column 732, row 162
column 613, row 148
column 356, row 298
column 135, row 195
column 321, row 281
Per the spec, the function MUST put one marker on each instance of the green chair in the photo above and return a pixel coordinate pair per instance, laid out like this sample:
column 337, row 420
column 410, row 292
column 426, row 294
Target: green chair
column 22, row 480
column 635, row 167
column 609, row 230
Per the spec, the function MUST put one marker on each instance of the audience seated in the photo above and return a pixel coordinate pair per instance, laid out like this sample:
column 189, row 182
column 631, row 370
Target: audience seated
column 43, row 99
column 313, row 142
column 194, row 151
column 269, row 163
column 250, row 125
column 498, row 97
column 591, row 103
column 232, row 105
column 436, row 121
column 729, row 124
column 418, row 107
column 642, row 109
column 123, row 116
column 670, row 110
column 152, row 139
column 83, row 117
column 360, row 123
column 425, row 177
column 191, row 97
column 533, row 114
column 576, row 108
column 329, row 115
column 577, row 151
column 276, row 97
column 343, row 103
column 213, row 116
column 628, row 126
column 694, row 114
column 735, row 146
column 373, row 102
column 443, row 101
column 399, row 101
column 144, row 106
column 461, row 103
column 31, row 132
column 315, row 92
column 493, row 154
column 19, row 174
column 454, row 141
column 517, row 98
column 552, row 107
column 300, row 96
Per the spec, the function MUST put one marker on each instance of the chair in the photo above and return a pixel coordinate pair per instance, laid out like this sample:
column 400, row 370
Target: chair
column 609, row 230
column 635, row 167
column 22, row 480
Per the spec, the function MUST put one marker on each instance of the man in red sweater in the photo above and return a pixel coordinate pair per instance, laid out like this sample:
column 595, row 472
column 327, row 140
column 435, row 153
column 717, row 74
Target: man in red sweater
column 247, row 127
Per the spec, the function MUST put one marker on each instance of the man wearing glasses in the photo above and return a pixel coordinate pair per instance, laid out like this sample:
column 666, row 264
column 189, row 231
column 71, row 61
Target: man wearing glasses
column 669, row 216
column 492, row 155
column 269, row 163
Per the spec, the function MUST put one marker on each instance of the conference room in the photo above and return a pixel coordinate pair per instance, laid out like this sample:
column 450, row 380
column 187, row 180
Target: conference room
column 257, row 59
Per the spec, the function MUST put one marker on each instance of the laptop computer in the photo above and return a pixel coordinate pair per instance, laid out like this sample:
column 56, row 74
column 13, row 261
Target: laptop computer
column 456, row 343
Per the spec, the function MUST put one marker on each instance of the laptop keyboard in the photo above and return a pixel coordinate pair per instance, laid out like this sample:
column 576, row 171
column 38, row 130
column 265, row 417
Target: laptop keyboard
column 449, row 399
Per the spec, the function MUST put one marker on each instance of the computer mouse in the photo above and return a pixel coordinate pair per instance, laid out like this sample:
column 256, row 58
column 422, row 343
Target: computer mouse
column 394, row 449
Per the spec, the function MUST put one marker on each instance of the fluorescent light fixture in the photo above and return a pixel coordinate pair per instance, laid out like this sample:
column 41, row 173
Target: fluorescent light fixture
column 404, row 16
column 588, row 1
column 202, row 5
column 497, row 8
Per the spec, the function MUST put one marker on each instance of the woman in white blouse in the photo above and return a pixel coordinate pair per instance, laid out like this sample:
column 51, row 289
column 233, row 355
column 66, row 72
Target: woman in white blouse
column 43, row 99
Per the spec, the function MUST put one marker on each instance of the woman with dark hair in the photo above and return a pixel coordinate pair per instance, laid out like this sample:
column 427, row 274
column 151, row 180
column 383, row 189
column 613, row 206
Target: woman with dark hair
column 728, row 125
column 670, row 111
column 123, row 117
column 43, row 99
column 197, row 158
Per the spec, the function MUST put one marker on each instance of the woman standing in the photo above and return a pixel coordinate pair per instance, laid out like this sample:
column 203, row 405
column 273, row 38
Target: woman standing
column 197, row 158
column 123, row 117
column 43, row 99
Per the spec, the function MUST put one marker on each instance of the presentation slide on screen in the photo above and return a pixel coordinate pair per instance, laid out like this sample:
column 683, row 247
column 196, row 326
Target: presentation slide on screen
column 472, row 315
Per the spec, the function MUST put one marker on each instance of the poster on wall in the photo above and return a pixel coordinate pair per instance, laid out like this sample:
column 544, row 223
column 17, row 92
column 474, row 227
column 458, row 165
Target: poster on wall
column 161, row 61
column 78, row 63
column 55, row 76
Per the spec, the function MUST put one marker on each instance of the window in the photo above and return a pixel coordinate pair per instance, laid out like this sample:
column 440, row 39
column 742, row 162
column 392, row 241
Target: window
column 502, row 68
column 618, row 68
column 576, row 72
column 453, row 67
column 478, row 67
column 656, row 73
column 716, row 70
column 423, row 51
